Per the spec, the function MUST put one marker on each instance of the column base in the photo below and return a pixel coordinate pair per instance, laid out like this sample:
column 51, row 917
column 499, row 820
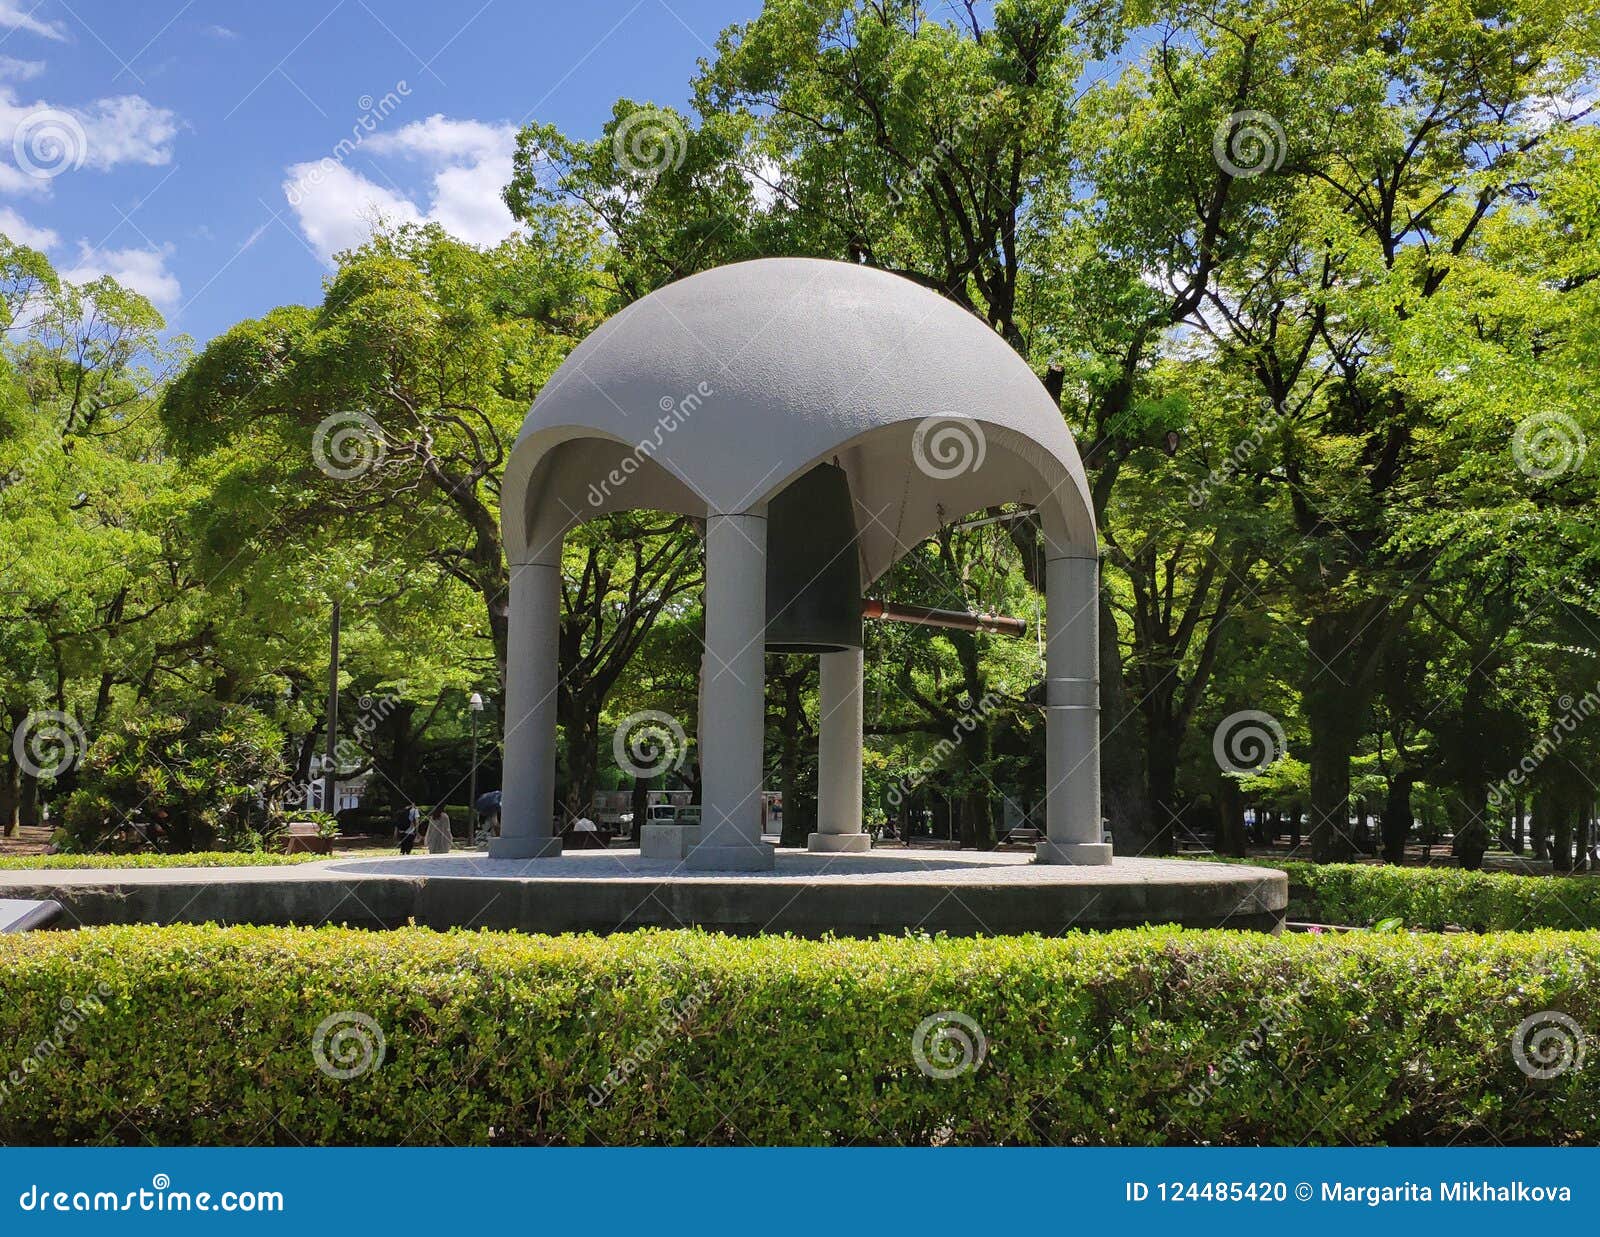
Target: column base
column 1084, row 853
column 750, row 858
column 671, row 843
column 839, row 843
column 524, row 847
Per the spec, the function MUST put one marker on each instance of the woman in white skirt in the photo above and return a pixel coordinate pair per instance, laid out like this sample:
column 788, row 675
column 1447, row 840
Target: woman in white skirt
column 439, row 831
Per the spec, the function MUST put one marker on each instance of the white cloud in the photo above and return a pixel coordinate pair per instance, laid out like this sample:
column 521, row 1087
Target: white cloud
column 24, row 233
column 337, row 208
column 20, row 70
column 221, row 32
column 467, row 163
column 143, row 270
column 763, row 178
column 12, row 17
column 129, row 129
column 443, row 140
column 43, row 140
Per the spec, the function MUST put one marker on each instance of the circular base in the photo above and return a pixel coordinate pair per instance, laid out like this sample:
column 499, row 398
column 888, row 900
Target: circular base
column 1093, row 854
column 838, row 843
column 524, row 846
column 757, row 858
column 891, row 891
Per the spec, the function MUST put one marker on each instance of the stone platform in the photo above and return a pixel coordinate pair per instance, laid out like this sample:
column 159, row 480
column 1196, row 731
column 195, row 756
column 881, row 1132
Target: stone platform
column 889, row 891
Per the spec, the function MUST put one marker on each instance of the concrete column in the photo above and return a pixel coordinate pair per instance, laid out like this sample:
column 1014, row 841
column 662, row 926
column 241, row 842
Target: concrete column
column 839, row 756
column 1072, row 716
column 733, row 696
column 528, row 785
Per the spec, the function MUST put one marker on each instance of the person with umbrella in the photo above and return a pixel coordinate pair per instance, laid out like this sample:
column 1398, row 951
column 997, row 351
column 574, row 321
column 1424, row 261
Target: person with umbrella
column 488, row 804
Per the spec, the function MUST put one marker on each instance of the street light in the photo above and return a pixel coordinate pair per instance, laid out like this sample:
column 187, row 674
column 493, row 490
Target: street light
column 475, row 705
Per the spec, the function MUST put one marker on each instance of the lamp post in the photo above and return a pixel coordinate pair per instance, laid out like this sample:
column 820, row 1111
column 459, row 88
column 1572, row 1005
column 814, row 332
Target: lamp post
column 330, row 778
column 475, row 706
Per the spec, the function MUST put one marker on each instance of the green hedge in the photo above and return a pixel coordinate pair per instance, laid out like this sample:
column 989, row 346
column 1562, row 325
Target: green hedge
column 156, row 859
column 205, row 1034
column 1437, row 898
column 183, row 859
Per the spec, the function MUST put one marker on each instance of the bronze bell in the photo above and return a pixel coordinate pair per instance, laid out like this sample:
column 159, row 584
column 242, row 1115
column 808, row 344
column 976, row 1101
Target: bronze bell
column 813, row 568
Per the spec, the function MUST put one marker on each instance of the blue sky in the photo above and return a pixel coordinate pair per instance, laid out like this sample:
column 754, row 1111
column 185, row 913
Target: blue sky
column 190, row 148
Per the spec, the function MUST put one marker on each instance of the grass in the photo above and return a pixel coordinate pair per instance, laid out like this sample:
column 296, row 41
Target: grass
column 190, row 859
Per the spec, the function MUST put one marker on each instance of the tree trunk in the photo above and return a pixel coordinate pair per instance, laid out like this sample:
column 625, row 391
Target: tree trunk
column 396, row 756
column 583, row 753
column 1561, row 839
column 1294, row 826
column 1397, row 818
column 1162, row 795
column 1333, row 710
column 28, row 799
column 1124, row 795
column 10, row 793
column 639, row 805
column 1230, row 821
column 790, row 730
column 977, row 820
column 1539, row 825
column 1471, row 830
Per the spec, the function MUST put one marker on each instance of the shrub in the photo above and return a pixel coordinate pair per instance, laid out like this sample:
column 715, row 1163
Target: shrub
column 195, row 781
column 160, row 859
column 1438, row 898
column 211, row 1035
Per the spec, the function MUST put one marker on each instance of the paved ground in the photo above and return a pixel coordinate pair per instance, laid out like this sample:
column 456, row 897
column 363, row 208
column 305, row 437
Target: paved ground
column 605, row 891
column 876, row 868
column 796, row 867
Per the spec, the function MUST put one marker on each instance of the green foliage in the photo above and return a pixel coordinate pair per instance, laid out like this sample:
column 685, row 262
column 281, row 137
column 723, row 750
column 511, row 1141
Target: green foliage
column 1138, row 1037
column 197, row 779
column 162, row 859
column 1433, row 899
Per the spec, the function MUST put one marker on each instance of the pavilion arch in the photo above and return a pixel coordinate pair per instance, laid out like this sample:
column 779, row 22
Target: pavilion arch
column 712, row 397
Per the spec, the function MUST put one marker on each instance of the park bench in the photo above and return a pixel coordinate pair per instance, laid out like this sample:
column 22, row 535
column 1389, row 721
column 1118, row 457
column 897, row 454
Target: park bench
column 305, row 838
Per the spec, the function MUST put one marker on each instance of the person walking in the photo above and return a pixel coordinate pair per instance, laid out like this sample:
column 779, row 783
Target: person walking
column 439, row 831
column 406, row 827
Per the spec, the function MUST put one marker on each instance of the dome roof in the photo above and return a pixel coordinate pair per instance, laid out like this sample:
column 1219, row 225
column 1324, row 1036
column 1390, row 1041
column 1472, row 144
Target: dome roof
column 713, row 393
